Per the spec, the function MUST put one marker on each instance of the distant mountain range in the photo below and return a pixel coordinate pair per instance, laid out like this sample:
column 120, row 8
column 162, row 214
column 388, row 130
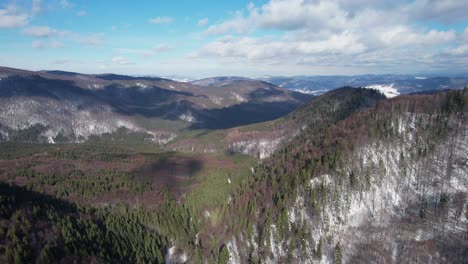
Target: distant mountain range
column 389, row 84
column 72, row 106
column 68, row 106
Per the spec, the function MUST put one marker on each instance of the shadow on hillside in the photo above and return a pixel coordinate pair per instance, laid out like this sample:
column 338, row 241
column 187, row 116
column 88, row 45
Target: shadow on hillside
column 168, row 172
column 151, row 102
column 24, row 197
column 243, row 114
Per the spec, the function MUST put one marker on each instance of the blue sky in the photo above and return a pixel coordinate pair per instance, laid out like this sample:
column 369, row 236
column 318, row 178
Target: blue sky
column 250, row 38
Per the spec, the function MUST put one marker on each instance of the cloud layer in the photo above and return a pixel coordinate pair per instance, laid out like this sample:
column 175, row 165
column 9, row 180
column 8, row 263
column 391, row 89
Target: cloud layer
column 356, row 33
column 161, row 20
column 10, row 17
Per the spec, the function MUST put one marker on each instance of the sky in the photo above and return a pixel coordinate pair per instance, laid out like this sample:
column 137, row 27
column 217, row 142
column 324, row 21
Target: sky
column 246, row 38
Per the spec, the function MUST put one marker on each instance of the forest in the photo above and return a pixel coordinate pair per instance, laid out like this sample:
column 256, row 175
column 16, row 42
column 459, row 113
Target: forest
column 127, row 201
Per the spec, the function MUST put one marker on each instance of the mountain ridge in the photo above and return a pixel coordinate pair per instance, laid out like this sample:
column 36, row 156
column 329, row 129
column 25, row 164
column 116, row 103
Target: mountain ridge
column 127, row 99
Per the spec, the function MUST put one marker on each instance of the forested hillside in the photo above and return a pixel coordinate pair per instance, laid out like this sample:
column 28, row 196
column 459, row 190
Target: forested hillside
column 232, row 132
column 387, row 185
column 262, row 139
column 57, row 107
column 363, row 179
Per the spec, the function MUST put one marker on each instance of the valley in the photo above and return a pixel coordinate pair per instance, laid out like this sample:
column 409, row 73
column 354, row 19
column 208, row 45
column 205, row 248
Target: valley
column 232, row 132
column 121, row 169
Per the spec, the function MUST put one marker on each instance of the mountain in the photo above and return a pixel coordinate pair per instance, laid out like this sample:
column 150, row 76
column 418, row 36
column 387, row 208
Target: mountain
column 382, row 185
column 389, row 84
column 349, row 176
column 72, row 107
column 367, row 179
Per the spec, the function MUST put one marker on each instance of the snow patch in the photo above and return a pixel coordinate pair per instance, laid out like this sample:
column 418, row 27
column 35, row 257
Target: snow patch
column 307, row 91
column 141, row 85
column 262, row 148
column 207, row 214
column 216, row 100
column 275, row 246
column 238, row 97
column 50, row 134
column 388, row 90
column 234, row 255
column 188, row 117
column 175, row 255
column 161, row 137
column 65, row 117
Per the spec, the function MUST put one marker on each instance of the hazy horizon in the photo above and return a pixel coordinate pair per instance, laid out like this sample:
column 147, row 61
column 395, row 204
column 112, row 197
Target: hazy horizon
column 195, row 77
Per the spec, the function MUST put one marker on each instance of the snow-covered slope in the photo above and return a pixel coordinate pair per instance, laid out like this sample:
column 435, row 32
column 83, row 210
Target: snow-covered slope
column 397, row 199
column 388, row 90
column 80, row 105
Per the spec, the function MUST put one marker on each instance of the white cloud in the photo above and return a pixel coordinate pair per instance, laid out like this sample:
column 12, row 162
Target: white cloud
column 81, row 13
column 65, row 61
column 458, row 51
column 64, row 3
column 337, row 15
column 297, row 14
column 464, row 35
column 90, row 39
column 337, row 33
column 10, row 17
column 445, row 11
column 203, row 22
column 46, row 44
column 121, row 27
column 145, row 52
column 36, row 7
column 41, row 31
column 161, row 48
column 120, row 60
column 94, row 40
column 285, row 15
column 250, row 48
column 237, row 24
column 402, row 35
column 161, row 20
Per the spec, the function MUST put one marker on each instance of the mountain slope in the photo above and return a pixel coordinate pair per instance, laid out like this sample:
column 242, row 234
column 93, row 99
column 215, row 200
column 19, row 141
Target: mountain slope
column 262, row 139
column 368, row 180
column 73, row 106
column 386, row 185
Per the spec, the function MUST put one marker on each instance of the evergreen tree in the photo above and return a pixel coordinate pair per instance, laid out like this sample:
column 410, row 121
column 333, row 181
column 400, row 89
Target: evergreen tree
column 223, row 255
column 320, row 249
column 338, row 258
